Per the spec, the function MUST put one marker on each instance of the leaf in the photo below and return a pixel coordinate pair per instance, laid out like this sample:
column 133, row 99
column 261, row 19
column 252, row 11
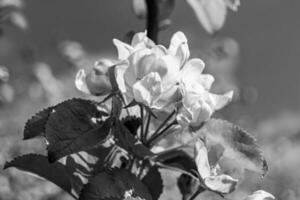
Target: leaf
column 39, row 165
column 71, row 173
column 73, row 127
column 238, row 144
column 260, row 195
column 178, row 159
column 210, row 13
column 132, row 123
column 115, row 184
column 154, row 183
column 188, row 186
column 128, row 142
column 36, row 125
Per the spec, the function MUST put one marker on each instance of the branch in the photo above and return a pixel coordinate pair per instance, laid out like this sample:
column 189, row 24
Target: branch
column 152, row 19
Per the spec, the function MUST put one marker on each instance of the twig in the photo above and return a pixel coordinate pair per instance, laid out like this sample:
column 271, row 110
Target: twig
column 152, row 19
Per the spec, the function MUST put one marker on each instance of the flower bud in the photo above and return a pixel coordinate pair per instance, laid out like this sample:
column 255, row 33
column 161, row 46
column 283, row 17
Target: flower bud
column 95, row 82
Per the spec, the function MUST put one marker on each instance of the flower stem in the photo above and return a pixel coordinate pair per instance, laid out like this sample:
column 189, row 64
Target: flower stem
column 152, row 19
column 142, row 125
column 162, row 125
column 160, row 135
column 147, row 126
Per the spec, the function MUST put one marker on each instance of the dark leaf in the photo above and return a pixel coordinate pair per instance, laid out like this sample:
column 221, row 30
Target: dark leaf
column 188, row 186
column 39, row 165
column 128, row 142
column 73, row 127
column 154, row 183
column 237, row 144
column 178, row 159
column 71, row 173
column 36, row 125
column 115, row 184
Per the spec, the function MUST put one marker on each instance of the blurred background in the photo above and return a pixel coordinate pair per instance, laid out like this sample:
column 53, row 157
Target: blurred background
column 257, row 54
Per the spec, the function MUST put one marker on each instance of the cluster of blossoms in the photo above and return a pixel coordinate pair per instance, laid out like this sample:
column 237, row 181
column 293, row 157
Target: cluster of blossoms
column 160, row 79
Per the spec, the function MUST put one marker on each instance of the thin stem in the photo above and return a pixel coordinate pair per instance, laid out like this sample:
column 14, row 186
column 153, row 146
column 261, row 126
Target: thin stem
column 147, row 126
column 162, row 125
column 142, row 125
column 161, row 134
column 195, row 194
column 152, row 19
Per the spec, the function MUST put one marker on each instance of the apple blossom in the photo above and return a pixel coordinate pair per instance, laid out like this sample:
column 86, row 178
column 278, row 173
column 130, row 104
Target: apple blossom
column 95, row 82
column 149, row 73
column 198, row 104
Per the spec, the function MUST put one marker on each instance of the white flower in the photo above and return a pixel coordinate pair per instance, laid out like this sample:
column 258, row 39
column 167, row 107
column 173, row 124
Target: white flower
column 152, row 75
column 198, row 104
column 96, row 81
column 212, row 13
column 149, row 73
column 211, row 177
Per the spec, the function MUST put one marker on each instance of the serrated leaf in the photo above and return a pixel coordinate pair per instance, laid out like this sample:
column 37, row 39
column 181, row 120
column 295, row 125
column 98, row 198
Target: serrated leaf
column 35, row 126
column 238, row 144
column 71, row 173
column 132, row 123
column 39, row 165
column 115, row 184
column 71, row 128
column 260, row 195
column 154, row 183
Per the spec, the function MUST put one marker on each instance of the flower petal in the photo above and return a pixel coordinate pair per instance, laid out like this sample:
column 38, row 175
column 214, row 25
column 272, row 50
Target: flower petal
column 173, row 67
column 141, row 38
column 184, row 117
column 260, row 195
column 80, row 82
column 192, row 74
column 124, row 49
column 119, row 74
column 150, row 63
column 219, row 101
column 202, row 112
column 148, row 89
column 222, row 183
column 179, row 47
column 201, row 159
